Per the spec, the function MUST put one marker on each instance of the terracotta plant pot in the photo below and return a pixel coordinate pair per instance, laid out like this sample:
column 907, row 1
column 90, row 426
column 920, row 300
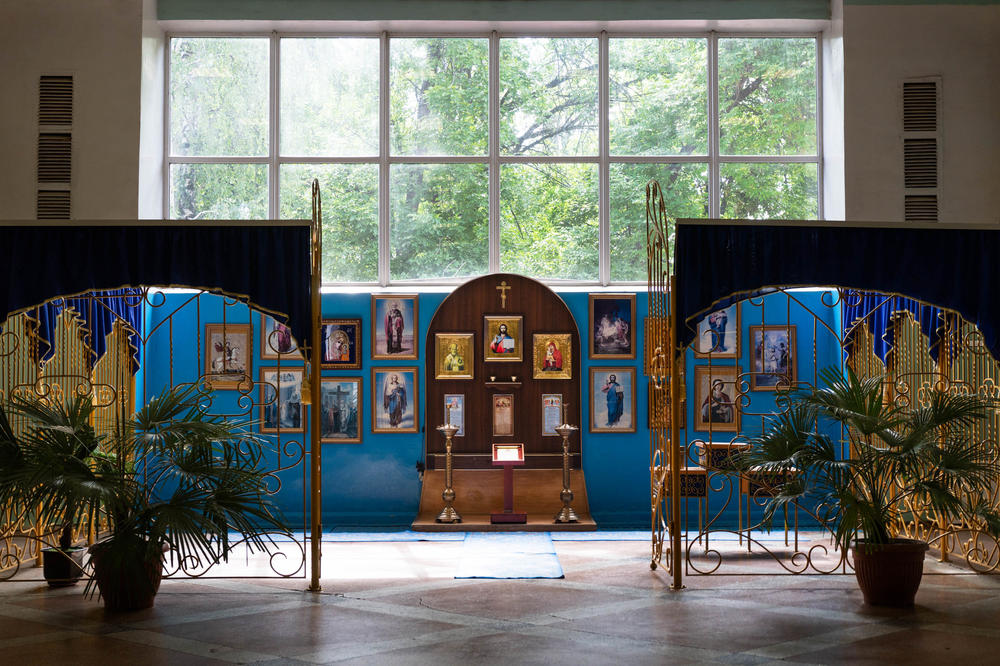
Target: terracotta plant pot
column 889, row 575
column 126, row 584
column 62, row 566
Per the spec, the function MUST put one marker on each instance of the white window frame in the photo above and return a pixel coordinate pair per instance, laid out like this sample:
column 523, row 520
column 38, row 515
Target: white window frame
column 493, row 160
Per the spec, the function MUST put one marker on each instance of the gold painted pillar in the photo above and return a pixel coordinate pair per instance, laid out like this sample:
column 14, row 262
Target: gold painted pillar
column 674, row 456
column 315, row 385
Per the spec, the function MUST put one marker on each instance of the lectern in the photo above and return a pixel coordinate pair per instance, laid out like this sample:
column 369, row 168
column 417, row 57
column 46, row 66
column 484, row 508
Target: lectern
column 508, row 455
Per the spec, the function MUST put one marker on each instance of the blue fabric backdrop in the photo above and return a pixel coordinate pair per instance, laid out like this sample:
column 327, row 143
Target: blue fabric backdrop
column 720, row 263
column 877, row 311
column 267, row 263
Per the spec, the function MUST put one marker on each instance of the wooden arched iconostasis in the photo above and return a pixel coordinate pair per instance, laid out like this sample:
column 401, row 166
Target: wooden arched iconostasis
column 503, row 391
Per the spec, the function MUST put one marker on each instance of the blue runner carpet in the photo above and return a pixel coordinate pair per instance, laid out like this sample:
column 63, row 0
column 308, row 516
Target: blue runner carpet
column 508, row 555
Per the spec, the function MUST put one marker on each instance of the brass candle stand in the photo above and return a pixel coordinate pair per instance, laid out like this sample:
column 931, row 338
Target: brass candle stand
column 448, row 513
column 566, row 513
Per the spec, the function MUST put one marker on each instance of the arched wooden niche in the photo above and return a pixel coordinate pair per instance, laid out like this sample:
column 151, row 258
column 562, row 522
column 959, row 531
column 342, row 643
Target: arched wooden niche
column 469, row 311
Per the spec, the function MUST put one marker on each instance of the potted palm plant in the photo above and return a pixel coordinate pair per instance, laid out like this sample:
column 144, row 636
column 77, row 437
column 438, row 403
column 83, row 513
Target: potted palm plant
column 921, row 461
column 172, row 478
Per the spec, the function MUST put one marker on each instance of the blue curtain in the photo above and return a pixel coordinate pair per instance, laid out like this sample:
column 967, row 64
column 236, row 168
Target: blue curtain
column 99, row 312
column 265, row 263
column 719, row 263
column 877, row 311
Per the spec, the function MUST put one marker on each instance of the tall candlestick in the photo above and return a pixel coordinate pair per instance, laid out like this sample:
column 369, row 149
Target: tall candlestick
column 562, row 412
column 447, row 414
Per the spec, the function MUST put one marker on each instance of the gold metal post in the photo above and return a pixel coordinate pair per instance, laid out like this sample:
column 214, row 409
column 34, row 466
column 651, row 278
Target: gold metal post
column 566, row 513
column 315, row 448
column 674, row 453
column 448, row 513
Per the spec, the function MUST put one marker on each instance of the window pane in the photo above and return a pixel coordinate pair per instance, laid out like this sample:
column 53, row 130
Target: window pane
column 350, row 215
column 438, row 96
column 329, row 97
column 658, row 96
column 218, row 191
column 548, row 96
column 548, row 220
column 767, row 96
column 439, row 221
column 219, row 96
column 769, row 191
column 685, row 194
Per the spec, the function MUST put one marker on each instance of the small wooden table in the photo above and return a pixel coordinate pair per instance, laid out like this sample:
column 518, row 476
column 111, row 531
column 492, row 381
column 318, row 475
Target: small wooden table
column 508, row 456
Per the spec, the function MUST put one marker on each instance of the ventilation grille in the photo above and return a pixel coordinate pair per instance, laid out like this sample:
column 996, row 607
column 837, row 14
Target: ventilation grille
column 920, row 162
column 920, row 106
column 55, row 100
column 53, row 205
column 55, row 148
column 921, row 149
column 55, row 158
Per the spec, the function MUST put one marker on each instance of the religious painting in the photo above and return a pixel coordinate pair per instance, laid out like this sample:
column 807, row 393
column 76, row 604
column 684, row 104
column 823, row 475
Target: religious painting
column 658, row 415
column 553, row 413
column 453, row 355
column 454, row 412
column 773, row 357
column 394, row 399
column 340, row 411
column 503, row 338
column 719, row 334
column 394, row 326
column 276, row 339
column 612, row 400
column 340, row 343
column 553, row 355
column 503, row 415
column 716, row 392
column 228, row 356
column 612, row 334
column 281, row 407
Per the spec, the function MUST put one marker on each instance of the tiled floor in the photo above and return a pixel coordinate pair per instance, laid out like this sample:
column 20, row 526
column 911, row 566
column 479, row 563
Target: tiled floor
column 397, row 603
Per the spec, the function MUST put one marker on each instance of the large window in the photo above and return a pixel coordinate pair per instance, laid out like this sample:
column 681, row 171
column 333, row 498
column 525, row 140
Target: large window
column 442, row 158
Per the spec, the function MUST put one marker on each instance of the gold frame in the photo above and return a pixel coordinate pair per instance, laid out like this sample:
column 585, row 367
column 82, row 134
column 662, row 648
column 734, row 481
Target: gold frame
column 735, row 327
column 510, row 407
column 264, row 383
column 793, row 360
column 359, row 409
column 441, row 341
column 539, row 346
column 491, row 328
column 630, row 371
column 266, row 350
column 562, row 412
column 375, row 326
column 341, row 365
column 229, row 330
column 377, row 398
column 728, row 374
column 591, row 300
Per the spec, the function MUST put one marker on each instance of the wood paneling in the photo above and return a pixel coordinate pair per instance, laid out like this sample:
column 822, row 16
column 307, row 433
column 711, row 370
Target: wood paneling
column 463, row 312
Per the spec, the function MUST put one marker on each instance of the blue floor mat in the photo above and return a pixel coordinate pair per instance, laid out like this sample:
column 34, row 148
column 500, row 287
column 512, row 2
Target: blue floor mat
column 508, row 555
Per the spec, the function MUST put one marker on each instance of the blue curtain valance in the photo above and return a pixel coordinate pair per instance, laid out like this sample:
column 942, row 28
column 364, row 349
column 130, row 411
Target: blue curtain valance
column 878, row 312
column 719, row 263
column 268, row 264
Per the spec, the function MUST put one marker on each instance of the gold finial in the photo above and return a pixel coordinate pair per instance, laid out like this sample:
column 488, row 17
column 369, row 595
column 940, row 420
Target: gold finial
column 502, row 288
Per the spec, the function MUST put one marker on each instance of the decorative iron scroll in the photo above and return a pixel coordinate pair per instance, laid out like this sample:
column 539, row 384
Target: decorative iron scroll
column 176, row 327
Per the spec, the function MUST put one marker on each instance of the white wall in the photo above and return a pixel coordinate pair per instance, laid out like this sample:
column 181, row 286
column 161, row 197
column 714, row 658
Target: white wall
column 883, row 46
column 98, row 42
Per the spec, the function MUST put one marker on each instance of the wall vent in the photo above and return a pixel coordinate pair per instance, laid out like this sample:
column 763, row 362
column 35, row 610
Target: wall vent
column 55, row 148
column 921, row 148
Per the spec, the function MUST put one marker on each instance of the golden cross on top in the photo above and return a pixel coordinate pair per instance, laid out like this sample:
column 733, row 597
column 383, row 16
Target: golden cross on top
column 502, row 288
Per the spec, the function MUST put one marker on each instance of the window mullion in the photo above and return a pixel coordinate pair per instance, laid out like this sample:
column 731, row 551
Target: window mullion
column 714, row 182
column 383, row 161
column 494, row 153
column 273, row 206
column 603, row 174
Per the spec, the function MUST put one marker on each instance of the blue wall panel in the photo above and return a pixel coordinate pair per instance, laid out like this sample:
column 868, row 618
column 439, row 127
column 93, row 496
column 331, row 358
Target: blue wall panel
column 375, row 483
